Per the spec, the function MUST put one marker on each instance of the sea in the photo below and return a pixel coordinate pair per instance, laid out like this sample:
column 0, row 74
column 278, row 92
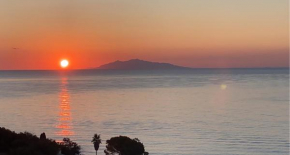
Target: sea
column 172, row 112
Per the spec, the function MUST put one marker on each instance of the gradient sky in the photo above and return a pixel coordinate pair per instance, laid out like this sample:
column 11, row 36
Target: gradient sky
column 36, row 34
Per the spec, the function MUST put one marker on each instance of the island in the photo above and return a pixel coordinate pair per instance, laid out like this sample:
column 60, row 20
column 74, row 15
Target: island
column 137, row 64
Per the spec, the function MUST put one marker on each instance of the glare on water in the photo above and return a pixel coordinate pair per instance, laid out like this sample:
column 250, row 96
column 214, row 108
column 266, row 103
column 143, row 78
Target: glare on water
column 64, row 125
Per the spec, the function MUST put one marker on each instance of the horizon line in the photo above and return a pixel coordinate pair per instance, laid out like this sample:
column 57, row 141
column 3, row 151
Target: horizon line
column 188, row 68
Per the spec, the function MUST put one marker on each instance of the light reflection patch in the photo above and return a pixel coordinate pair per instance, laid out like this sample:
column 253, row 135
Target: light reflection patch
column 223, row 86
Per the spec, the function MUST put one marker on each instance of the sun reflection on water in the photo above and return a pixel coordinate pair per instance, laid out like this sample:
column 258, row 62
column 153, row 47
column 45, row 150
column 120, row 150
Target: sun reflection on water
column 64, row 125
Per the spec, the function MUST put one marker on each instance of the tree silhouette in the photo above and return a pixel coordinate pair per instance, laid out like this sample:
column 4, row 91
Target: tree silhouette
column 97, row 141
column 25, row 143
column 123, row 145
column 42, row 136
column 69, row 147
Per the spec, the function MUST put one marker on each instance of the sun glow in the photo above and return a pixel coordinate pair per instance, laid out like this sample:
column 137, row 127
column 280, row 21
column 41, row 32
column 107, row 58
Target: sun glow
column 64, row 63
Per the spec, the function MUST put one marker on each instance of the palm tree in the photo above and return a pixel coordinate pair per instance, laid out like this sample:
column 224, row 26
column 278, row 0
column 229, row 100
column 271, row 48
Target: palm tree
column 97, row 141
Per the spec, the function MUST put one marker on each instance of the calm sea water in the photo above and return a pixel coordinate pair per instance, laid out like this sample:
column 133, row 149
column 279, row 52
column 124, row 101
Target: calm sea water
column 190, row 112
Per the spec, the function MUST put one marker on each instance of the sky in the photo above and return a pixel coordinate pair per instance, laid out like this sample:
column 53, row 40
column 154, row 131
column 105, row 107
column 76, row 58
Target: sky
column 37, row 34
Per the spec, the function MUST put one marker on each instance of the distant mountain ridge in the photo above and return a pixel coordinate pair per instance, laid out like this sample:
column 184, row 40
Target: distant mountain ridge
column 137, row 64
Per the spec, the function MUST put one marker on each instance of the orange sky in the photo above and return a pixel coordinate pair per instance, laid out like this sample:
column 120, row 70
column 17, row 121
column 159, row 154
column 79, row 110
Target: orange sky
column 196, row 33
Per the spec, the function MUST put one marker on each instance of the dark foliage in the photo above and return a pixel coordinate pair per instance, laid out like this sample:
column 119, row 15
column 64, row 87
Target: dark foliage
column 25, row 143
column 123, row 145
column 69, row 147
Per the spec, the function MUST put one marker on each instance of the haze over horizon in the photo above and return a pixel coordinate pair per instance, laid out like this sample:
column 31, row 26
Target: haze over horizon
column 198, row 33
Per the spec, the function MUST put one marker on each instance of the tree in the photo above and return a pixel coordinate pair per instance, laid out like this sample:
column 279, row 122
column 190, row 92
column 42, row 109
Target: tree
column 123, row 145
column 69, row 147
column 25, row 143
column 42, row 136
column 97, row 141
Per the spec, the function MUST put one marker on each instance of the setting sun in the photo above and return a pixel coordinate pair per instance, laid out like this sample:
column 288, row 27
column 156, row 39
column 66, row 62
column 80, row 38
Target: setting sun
column 64, row 63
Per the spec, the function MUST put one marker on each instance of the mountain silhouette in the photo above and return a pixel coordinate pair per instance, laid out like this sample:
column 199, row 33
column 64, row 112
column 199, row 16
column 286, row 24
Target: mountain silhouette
column 137, row 64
